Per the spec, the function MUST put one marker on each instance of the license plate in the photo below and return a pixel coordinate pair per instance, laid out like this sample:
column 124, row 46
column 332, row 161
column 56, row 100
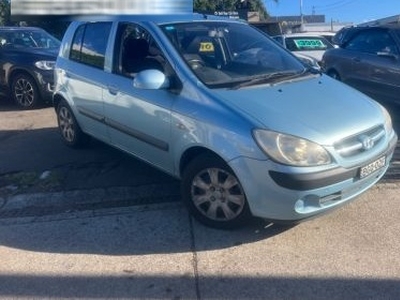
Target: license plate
column 372, row 167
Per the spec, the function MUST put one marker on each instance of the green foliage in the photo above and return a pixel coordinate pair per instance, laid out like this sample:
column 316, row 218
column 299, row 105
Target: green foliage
column 5, row 12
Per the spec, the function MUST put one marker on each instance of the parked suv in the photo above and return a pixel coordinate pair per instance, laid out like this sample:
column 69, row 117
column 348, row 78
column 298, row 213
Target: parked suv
column 246, row 127
column 368, row 59
column 27, row 58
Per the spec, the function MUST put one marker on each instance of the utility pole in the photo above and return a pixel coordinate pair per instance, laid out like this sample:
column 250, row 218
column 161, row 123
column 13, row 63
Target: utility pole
column 301, row 15
column 301, row 12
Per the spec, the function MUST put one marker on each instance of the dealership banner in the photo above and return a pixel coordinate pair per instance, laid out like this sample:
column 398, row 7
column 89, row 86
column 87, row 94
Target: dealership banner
column 48, row 8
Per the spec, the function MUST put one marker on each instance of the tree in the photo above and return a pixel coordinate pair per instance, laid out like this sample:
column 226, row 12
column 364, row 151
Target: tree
column 5, row 12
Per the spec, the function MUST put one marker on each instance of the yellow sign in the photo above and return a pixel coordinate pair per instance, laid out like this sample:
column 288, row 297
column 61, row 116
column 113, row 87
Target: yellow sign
column 206, row 47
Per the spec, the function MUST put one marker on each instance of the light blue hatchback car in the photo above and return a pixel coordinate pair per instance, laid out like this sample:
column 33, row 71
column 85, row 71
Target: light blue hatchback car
column 248, row 129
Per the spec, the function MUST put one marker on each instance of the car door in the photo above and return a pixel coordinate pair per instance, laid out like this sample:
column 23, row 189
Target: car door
column 83, row 74
column 385, row 67
column 139, row 120
column 374, row 63
column 355, row 61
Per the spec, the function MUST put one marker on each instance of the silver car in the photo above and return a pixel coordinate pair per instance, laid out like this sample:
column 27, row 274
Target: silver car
column 214, row 102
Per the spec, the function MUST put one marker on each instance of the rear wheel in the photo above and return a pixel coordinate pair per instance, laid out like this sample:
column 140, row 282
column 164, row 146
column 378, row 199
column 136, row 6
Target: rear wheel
column 71, row 133
column 213, row 194
column 24, row 91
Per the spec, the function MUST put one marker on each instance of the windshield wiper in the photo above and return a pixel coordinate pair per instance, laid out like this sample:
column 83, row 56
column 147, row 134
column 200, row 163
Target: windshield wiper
column 271, row 77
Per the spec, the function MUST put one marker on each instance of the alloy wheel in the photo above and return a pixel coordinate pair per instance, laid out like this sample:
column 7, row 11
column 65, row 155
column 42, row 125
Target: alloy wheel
column 67, row 124
column 24, row 92
column 217, row 194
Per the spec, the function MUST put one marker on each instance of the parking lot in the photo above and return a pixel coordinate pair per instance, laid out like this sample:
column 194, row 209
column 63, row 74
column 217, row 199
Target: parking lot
column 97, row 224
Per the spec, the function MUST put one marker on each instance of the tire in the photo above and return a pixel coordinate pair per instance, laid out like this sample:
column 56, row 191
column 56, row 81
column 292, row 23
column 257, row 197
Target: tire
column 334, row 75
column 25, row 91
column 213, row 194
column 70, row 131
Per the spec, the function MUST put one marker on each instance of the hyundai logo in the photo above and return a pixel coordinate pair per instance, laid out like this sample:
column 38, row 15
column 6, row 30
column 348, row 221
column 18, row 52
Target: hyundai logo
column 367, row 142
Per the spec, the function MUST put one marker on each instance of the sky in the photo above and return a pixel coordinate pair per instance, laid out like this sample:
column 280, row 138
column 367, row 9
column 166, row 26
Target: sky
column 354, row 11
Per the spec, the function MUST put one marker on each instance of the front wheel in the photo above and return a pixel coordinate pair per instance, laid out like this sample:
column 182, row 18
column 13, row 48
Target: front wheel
column 213, row 194
column 24, row 91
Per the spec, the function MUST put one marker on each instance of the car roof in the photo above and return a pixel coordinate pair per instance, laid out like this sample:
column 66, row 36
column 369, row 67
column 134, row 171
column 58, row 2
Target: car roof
column 299, row 34
column 344, row 34
column 159, row 19
column 322, row 32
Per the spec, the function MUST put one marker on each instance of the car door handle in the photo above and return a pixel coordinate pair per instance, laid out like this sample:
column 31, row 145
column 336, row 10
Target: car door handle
column 113, row 90
column 357, row 59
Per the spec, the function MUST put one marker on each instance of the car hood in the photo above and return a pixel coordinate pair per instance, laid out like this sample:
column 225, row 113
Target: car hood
column 49, row 52
column 320, row 109
column 317, row 54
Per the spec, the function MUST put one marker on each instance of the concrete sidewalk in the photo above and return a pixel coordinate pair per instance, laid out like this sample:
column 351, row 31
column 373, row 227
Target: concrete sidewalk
column 156, row 251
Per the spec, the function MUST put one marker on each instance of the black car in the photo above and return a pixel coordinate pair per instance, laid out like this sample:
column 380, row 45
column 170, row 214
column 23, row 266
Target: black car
column 368, row 59
column 27, row 58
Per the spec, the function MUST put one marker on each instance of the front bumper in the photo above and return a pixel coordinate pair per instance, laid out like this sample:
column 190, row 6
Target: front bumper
column 292, row 197
column 45, row 82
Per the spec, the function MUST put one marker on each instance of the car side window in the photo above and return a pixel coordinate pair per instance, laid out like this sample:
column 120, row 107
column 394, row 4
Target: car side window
column 90, row 43
column 372, row 41
column 137, row 51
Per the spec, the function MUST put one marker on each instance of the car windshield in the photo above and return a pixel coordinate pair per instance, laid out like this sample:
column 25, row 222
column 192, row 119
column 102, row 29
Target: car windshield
column 307, row 43
column 227, row 54
column 26, row 38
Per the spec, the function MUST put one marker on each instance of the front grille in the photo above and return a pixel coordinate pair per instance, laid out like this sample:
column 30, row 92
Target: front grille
column 361, row 142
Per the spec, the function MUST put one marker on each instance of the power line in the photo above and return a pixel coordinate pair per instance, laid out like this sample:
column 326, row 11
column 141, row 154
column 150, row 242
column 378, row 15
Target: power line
column 333, row 6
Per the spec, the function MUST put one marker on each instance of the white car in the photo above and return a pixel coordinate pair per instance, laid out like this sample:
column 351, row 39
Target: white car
column 305, row 43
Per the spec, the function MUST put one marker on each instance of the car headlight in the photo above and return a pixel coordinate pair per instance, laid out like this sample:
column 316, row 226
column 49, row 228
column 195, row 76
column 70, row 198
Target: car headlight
column 388, row 120
column 291, row 150
column 45, row 64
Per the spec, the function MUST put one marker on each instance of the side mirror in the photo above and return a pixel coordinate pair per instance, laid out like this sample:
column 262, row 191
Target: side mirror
column 151, row 80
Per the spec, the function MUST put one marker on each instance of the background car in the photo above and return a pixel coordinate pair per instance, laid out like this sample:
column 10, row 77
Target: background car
column 312, row 45
column 368, row 59
column 27, row 58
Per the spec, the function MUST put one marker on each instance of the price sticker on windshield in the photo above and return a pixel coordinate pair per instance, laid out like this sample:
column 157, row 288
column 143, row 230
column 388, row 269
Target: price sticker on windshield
column 310, row 44
column 206, row 47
